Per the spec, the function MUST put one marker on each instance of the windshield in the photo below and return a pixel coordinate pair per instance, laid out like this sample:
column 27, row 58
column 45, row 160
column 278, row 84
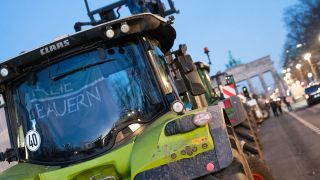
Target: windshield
column 312, row 89
column 65, row 108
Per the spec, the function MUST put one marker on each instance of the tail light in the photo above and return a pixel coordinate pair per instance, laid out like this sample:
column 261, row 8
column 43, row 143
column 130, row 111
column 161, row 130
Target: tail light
column 227, row 103
column 210, row 167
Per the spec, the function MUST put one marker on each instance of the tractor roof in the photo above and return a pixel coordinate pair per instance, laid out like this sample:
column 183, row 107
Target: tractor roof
column 145, row 24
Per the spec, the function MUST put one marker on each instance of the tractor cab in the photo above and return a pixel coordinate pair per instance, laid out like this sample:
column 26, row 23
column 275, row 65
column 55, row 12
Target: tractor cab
column 98, row 104
column 212, row 96
column 106, row 103
column 80, row 96
column 221, row 89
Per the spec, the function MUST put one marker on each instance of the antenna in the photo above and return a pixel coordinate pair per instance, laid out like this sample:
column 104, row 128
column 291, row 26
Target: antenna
column 88, row 10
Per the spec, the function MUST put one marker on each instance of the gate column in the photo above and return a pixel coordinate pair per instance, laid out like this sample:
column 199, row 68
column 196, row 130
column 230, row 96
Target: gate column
column 264, row 85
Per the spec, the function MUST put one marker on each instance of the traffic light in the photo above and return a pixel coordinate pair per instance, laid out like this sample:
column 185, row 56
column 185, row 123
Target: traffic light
column 245, row 92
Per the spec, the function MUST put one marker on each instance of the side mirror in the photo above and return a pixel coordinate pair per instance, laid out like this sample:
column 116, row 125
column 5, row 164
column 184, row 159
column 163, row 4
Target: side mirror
column 2, row 102
column 186, row 63
column 181, row 88
column 188, row 72
column 194, row 83
column 190, row 76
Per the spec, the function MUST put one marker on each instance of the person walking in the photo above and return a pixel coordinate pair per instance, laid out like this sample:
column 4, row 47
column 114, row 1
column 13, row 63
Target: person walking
column 284, row 99
column 274, row 107
column 279, row 105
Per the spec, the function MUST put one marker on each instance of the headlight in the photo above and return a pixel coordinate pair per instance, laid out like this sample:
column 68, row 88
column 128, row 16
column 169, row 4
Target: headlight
column 125, row 28
column 109, row 33
column 4, row 71
column 177, row 106
column 306, row 96
column 202, row 118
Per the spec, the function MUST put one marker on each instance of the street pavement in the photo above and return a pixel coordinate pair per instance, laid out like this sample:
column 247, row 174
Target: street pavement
column 291, row 143
column 4, row 140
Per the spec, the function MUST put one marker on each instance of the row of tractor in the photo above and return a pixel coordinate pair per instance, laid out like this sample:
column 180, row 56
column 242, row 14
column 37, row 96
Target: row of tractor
column 113, row 102
column 240, row 116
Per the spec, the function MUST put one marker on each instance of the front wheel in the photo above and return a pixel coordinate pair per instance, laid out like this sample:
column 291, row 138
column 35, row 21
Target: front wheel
column 258, row 168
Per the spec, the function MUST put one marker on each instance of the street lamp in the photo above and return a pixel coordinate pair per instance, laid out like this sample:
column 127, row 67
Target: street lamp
column 298, row 66
column 307, row 57
column 288, row 69
column 310, row 77
column 288, row 75
column 287, row 78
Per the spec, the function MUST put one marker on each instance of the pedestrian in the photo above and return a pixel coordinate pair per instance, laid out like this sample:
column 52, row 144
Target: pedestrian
column 284, row 99
column 273, row 105
column 279, row 107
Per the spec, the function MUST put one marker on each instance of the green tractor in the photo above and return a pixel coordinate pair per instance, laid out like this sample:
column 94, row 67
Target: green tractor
column 221, row 89
column 101, row 104
column 240, row 120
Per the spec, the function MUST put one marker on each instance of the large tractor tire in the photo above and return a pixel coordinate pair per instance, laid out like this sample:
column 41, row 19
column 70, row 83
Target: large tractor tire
column 244, row 133
column 258, row 169
column 235, row 171
column 250, row 148
column 248, row 135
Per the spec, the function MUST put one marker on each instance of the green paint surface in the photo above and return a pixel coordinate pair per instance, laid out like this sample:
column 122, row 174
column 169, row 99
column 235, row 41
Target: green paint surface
column 147, row 150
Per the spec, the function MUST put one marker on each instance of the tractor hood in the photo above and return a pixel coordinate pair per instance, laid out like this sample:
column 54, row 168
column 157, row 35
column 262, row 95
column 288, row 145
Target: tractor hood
column 150, row 154
column 148, row 150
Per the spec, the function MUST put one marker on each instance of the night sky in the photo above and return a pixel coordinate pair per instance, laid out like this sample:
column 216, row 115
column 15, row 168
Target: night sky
column 249, row 28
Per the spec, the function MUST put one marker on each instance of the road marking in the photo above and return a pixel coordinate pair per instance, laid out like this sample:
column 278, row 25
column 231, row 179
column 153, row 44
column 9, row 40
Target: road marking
column 305, row 123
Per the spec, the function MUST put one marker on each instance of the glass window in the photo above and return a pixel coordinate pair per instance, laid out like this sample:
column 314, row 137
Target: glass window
column 74, row 103
column 312, row 89
column 162, row 68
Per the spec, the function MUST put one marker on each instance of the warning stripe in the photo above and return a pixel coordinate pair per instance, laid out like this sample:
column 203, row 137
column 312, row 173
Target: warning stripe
column 227, row 94
column 229, row 91
column 232, row 86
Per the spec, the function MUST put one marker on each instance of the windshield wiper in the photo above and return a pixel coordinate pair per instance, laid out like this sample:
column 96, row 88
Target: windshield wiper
column 60, row 76
column 109, row 139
